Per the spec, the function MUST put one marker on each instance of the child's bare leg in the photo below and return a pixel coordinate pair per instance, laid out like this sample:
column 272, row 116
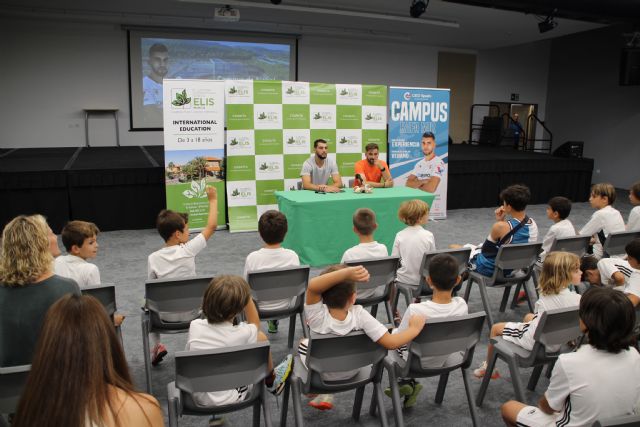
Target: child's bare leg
column 510, row 410
column 496, row 331
column 263, row 337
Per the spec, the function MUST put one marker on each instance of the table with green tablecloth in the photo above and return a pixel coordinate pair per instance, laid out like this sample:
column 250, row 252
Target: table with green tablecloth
column 321, row 226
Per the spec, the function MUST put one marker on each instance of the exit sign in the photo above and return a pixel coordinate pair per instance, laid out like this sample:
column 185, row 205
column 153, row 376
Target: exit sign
column 515, row 97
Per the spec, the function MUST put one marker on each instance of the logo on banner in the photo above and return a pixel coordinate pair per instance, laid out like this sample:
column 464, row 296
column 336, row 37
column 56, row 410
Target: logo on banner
column 323, row 117
column 297, row 141
column 179, row 98
column 297, row 91
column 242, row 193
column 240, row 141
column 238, row 91
column 197, row 190
column 375, row 117
column 349, row 141
column 269, row 167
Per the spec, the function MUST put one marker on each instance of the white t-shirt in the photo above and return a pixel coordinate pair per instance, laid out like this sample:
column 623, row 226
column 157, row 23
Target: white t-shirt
column 432, row 310
column 361, row 252
column 358, row 319
column 558, row 230
column 634, row 219
column 411, row 244
column 76, row 268
column 319, row 175
column 607, row 219
column 173, row 262
column 426, row 169
column 608, row 266
column 207, row 336
column 632, row 286
column 591, row 384
column 152, row 92
column 267, row 258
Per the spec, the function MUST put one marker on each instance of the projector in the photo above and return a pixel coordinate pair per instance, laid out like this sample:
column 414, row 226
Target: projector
column 226, row 14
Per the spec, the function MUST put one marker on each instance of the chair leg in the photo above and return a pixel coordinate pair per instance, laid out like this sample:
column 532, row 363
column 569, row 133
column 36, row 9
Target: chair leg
column 377, row 394
column 467, row 389
column 292, row 330
column 491, row 364
column 374, row 310
column 442, row 386
column 303, row 323
column 145, row 351
column 256, row 413
column 505, row 299
column 550, row 368
column 395, row 398
column 467, row 290
column 387, row 307
column 514, row 300
column 266, row 412
column 357, row 403
column 532, row 296
column 173, row 412
column 535, row 376
column 285, row 404
column 485, row 303
column 297, row 404
column 396, row 298
column 515, row 379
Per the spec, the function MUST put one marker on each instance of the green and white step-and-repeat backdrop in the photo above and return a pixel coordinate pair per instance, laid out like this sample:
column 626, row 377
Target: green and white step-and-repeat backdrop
column 271, row 126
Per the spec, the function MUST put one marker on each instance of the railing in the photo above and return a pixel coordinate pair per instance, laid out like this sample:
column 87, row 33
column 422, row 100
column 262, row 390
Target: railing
column 531, row 144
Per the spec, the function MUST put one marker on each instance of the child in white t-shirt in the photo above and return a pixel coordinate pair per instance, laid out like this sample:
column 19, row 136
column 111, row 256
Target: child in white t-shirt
column 633, row 223
column 80, row 239
column 272, row 227
column 364, row 225
column 330, row 309
column 412, row 242
column 605, row 220
column 632, row 286
column 560, row 269
column 177, row 259
column 225, row 298
column 611, row 272
column 443, row 278
column 558, row 209
column 597, row 381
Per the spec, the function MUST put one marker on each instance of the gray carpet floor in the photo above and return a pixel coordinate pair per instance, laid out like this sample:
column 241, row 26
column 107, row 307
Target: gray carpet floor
column 122, row 260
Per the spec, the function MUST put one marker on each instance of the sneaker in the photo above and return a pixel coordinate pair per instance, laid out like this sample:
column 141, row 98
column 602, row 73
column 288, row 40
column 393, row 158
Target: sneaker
column 281, row 372
column 522, row 297
column 480, row 371
column 410, row 400
column 405, row 389
column 272, row 326
column 216, row 421
column 158, row 353
column 323, row 402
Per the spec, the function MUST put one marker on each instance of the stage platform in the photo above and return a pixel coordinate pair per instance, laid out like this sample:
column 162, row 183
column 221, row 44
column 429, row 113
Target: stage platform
column 122, row 188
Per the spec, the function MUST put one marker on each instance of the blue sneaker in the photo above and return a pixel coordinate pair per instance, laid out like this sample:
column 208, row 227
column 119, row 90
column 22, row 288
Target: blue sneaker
column 281, row 372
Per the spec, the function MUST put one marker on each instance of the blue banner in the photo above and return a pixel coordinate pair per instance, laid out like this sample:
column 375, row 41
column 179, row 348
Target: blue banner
column 418, row 142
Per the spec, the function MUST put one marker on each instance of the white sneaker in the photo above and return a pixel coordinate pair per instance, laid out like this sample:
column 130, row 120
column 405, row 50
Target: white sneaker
column 482, row 369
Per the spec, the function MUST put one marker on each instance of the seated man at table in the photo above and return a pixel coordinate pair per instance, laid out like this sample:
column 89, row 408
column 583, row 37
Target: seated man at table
column 316, row 170
column 373, row 171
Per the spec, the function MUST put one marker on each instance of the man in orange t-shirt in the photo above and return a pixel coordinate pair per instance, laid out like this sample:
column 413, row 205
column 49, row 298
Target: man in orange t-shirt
column 373, row 171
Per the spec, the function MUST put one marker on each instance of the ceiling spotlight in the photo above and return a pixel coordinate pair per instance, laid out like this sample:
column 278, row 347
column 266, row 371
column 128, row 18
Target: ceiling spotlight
column 276, row 1
column 418, row 7
column 547, row 25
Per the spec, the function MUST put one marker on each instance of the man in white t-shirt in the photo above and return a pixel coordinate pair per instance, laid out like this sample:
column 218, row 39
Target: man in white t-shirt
column 428, row 172
column 317, row 170
column 364, row 225
column 558, row 209
column 605, row 220
column 592, row 383
column 158, row 62
column 177, row 259
column 330, row 309
column 272, row 227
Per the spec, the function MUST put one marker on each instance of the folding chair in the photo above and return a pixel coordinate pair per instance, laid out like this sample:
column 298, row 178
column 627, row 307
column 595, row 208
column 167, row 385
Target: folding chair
column 510, row 257
column 615, row 243
column 578, row 245
column 219, row 370
column 627, row 420
column 170, row 306
column 382, row 273
column 325, row 353
column 279, row 284
column 106, row 294
column 555, row 329
column 412, row 292
column 440, row 337
column 12, row 382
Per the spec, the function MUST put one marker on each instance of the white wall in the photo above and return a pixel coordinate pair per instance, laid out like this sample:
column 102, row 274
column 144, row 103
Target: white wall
column 586, row 103
column 521, row 69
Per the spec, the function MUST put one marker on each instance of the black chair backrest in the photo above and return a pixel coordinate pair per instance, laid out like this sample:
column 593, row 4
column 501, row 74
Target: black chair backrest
column 615, row 242
column 326, row 352
column 12, row 382
column 557, row 327
column 175, row 300
column 382, row 271
column 516, row 256
column 278, row 283
column 222, row 369
column 626, row 420
column 577, row 245
column 106, row 294
column 461, row 255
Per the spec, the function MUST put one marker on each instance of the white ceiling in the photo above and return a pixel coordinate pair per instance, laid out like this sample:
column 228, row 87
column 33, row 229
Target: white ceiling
column 479, row 28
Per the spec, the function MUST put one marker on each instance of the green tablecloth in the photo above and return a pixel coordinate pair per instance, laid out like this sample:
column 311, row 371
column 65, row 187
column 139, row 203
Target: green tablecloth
column 321, row 227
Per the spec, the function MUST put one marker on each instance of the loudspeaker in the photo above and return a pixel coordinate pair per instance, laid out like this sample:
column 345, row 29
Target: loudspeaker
column 630, row 67
column 570, row 149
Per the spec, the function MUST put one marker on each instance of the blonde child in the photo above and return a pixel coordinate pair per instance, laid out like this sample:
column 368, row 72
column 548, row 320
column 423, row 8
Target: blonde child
column 364, row 225
column 225, row 298
column 330, row 309
column 560, row 269
column 605, row 219
column 633, row 224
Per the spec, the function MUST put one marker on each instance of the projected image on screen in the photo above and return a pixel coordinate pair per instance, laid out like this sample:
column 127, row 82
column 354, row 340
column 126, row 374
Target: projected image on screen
column 174, row 58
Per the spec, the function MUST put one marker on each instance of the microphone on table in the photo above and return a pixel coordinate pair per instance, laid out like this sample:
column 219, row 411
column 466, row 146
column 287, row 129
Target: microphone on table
column 360, row 178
